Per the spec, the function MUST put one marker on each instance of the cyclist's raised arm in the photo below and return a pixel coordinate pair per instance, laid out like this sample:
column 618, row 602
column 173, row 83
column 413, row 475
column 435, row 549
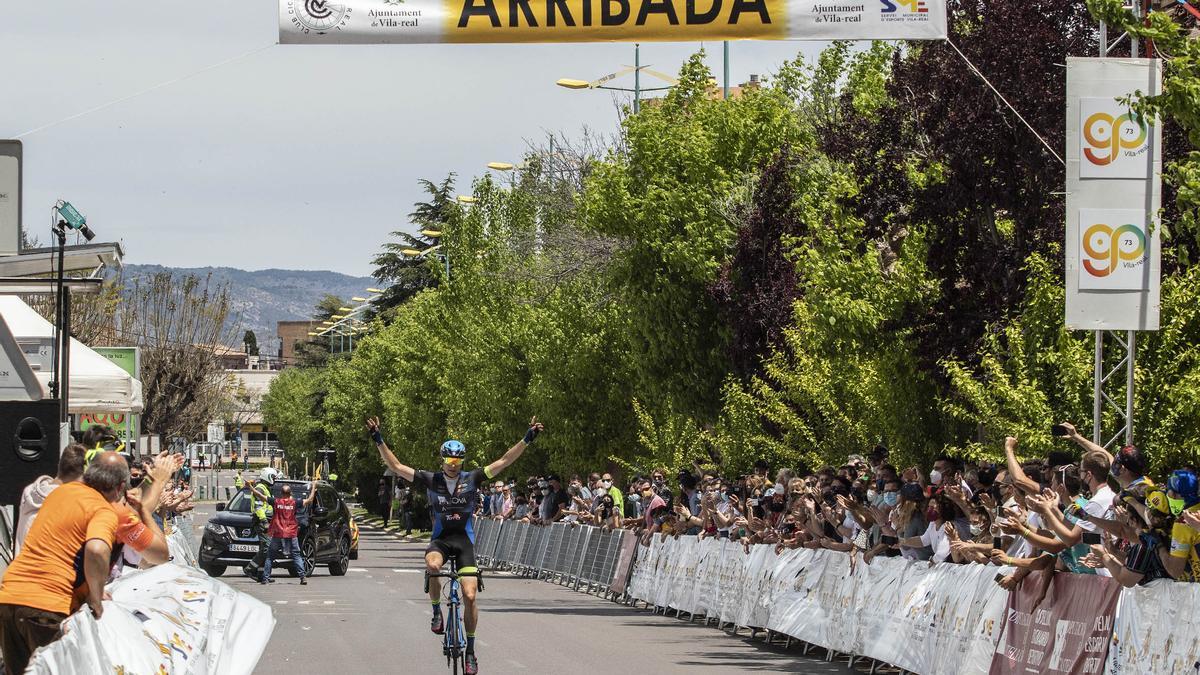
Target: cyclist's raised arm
column 388, row 457
column 515, row 451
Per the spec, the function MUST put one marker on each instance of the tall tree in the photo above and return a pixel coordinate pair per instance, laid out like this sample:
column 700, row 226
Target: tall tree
column 316, row 350
column 250, row 342
column 408, row 275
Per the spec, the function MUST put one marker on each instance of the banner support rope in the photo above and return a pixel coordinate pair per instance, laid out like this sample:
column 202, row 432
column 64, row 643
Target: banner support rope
column 1005, row 101
column 147, row 90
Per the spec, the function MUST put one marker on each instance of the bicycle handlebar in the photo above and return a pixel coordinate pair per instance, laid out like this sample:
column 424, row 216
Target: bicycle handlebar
column 453, row 576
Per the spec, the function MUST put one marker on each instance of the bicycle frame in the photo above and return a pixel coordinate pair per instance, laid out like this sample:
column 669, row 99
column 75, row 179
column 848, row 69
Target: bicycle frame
column 454, row 640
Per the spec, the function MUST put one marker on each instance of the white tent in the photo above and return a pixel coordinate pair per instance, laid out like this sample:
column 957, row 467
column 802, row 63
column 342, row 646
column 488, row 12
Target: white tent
column 97, row 385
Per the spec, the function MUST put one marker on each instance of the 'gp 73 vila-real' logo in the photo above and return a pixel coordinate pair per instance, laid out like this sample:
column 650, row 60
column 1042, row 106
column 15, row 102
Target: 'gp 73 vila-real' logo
column 1108, row 248
column 912, row 6
column 1107, row 136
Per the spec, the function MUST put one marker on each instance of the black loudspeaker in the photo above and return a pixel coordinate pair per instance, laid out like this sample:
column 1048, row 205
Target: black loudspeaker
column 28, row 445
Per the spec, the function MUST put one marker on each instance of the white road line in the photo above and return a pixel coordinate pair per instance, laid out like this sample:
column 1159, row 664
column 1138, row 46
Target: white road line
column 358, row 569
column 409, row 571
column 329, row 602
column 411, row 603
column 516, row 664
column 281, row 602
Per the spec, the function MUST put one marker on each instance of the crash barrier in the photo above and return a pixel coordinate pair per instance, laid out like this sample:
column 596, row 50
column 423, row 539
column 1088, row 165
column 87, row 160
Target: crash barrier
column 581, row 556
column 165, row 619
column 926, row 618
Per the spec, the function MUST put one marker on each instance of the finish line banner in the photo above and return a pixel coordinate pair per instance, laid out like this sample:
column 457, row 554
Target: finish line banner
column 515, row 21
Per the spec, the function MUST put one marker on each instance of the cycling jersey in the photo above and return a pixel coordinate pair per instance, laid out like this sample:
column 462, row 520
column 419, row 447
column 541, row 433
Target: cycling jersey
column 453, row 503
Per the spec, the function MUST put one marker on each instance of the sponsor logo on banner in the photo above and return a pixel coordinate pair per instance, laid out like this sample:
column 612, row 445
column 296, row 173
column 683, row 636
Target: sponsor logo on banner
column 1114, row 140
column 318, row 16
column 904, row 6
column 1113, row 250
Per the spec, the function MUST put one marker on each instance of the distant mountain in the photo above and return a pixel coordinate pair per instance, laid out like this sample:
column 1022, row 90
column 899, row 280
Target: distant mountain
column 263, row 297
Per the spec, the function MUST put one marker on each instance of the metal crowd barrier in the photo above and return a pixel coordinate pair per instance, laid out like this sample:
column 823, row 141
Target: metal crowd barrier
column 581, row 556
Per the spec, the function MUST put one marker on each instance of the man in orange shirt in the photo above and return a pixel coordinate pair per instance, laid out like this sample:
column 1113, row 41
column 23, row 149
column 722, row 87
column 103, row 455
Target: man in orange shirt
column 67, row 556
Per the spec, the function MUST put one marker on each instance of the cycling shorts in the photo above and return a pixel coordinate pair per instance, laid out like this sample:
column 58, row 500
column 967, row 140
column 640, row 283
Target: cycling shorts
column 458, row 545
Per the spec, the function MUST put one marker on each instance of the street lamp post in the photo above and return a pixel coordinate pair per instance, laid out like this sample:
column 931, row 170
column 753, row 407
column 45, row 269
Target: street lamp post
column 637, row 69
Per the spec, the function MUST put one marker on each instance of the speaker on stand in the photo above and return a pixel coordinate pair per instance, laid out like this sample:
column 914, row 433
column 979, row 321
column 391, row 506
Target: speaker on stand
column 29, row 447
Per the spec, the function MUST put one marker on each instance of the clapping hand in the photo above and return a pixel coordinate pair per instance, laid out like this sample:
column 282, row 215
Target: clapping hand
column 1191, row 519
column 1044, row 502
column 951, row 531
column 987, row 501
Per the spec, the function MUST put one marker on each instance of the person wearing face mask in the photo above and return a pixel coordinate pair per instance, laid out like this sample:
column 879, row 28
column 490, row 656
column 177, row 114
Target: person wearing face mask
column 554, row 501
column 651, row 503
column 1183, row 498
column 940, row 514
column 453, row 495
column 606, row 513
column 606, row 482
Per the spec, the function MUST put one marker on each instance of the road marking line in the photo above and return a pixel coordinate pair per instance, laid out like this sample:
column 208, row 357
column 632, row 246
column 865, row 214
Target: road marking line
column 516, row 665
column 281, row 602
column 358, row 569
column 409, row 571
column 329, row 602
column 481, row 642
column 411, row 603
column 303, row 602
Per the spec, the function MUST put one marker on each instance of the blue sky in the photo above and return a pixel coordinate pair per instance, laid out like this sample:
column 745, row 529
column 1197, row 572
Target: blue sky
column 291, row 156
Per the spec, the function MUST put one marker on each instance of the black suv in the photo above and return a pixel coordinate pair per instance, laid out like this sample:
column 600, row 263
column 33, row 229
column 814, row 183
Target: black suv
column 324, row 533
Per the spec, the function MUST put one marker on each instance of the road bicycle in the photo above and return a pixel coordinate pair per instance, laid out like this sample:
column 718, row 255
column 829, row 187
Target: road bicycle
column 454, row 640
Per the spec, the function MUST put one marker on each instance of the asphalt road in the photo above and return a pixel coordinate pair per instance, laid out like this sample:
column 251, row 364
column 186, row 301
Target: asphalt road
column 376, row 620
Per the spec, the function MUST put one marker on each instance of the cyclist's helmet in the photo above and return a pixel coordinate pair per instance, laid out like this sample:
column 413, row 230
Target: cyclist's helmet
column 1185, row 484
column 454, row 449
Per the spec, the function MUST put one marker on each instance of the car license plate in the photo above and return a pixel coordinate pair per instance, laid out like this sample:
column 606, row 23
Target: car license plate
column 243, row 548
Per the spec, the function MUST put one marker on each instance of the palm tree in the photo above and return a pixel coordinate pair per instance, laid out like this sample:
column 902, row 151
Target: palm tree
column 406, row 275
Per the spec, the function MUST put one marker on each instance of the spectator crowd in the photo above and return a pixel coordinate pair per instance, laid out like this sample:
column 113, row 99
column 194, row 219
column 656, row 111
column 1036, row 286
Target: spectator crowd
column 102, row 513
column 1080, row 510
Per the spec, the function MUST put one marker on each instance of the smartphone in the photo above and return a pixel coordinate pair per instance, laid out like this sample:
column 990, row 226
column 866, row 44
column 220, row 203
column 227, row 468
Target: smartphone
column 999, row 577
column 753, row 502
column 1091, row 538
column 1058, row 431
column 998, row 543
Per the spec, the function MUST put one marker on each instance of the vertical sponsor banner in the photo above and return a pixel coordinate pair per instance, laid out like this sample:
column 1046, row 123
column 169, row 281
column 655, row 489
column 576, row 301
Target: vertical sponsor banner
column 819, row 608
column 940, row 619
column 708, row 569
column 1157, row 630
column 516, row 21
column 1067, row 631
column 1114, row 177
column 627, row 549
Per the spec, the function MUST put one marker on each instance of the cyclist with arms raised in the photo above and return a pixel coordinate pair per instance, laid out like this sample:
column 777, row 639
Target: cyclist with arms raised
column 453, row 496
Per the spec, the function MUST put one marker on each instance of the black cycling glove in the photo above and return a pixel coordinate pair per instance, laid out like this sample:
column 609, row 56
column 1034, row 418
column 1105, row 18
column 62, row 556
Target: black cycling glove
column 531, row 435
column 377, row 437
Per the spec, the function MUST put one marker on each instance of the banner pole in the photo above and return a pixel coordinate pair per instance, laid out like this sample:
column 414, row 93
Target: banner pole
column 726, row 50
column 637, row 84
